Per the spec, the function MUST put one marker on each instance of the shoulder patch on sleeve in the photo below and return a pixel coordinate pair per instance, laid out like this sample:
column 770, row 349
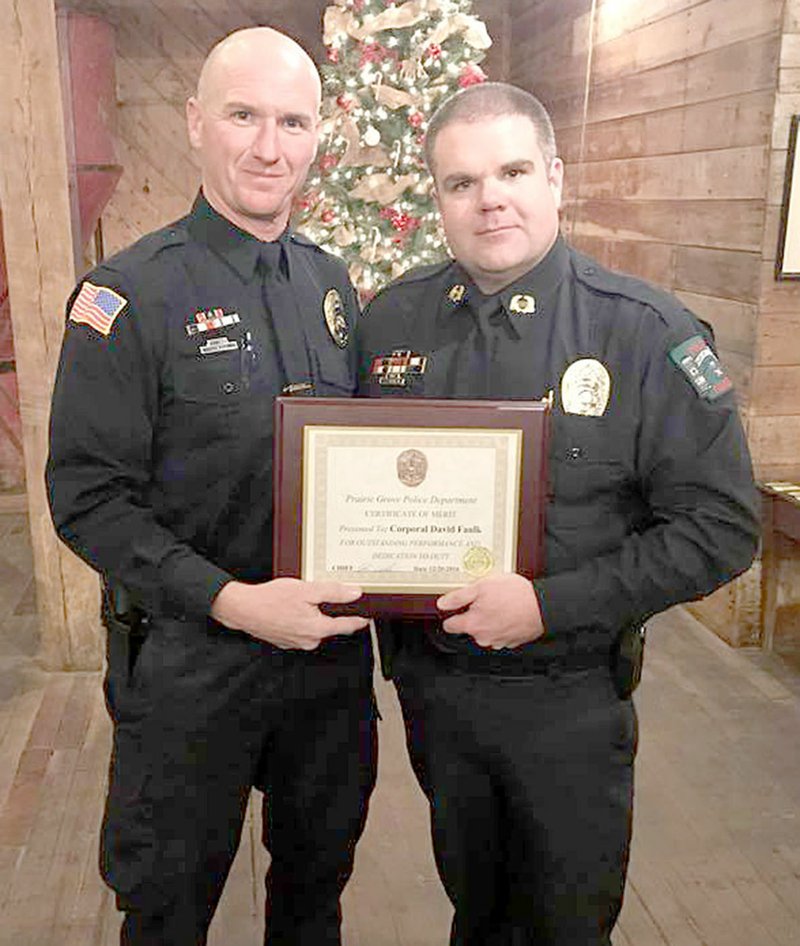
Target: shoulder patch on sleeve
column 701, row 366
column 97, row 307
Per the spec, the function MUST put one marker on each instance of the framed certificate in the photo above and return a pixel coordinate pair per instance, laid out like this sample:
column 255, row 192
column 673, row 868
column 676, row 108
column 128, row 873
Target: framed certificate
column 408, row 498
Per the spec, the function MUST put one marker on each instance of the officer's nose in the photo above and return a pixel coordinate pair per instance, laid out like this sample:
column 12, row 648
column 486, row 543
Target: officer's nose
column 492, row 194
column 265, row 146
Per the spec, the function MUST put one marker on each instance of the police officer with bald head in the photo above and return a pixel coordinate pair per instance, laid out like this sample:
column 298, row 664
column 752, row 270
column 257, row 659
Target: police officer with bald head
column 220, row 677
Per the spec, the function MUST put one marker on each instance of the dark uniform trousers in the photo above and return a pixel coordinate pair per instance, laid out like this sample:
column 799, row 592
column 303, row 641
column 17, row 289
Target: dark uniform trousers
column 202, row 714
column 530, row 785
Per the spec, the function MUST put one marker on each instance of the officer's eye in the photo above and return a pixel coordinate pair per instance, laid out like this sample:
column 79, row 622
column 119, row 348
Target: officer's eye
column 294, row 122
column 241, row 115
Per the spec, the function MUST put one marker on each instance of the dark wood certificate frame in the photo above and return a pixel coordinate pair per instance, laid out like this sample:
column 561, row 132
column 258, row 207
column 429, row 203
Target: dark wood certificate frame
column 293, row 414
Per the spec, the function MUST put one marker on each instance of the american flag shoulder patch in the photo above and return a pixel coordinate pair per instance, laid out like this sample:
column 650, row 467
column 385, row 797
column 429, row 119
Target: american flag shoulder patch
column 97, row 307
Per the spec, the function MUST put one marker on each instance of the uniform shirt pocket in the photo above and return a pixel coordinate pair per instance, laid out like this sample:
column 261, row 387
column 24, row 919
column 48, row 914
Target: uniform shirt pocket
column 219, row 377
column 591, row 479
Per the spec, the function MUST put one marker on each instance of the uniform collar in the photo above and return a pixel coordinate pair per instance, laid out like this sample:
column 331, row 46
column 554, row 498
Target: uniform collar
column 524, row 297
column 538, row 283
column 239, row 249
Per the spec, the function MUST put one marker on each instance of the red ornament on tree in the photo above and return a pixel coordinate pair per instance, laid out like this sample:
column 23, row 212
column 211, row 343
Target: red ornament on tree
column 372, row 52
column 333, row 54
column 471, row 75
column 401, row 221
column 415, row 119
column 346, row 102
column 328, row 161
column 434, row 51
column 327, row 216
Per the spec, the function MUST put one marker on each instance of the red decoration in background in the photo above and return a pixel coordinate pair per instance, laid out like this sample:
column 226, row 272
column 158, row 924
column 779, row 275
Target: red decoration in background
column 401, row 221
column 306, row 201
column 327, row 216
column 471, row 75
column 434, row 51
column 415, row 119
column 333, row 54
column 372, row 52
column 328, row 161
column 347, row 102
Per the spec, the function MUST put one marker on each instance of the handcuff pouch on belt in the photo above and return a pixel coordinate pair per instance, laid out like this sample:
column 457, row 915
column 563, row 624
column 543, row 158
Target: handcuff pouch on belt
column 627, row 656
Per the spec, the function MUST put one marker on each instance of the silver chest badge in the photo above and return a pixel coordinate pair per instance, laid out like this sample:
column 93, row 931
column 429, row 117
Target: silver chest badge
column 585, row 388
column 333, row 310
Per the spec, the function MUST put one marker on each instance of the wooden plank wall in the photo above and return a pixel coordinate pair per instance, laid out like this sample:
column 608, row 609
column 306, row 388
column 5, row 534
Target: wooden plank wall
column 775, row 406
column 160, row 47
column 38, row 247
column 666, row 174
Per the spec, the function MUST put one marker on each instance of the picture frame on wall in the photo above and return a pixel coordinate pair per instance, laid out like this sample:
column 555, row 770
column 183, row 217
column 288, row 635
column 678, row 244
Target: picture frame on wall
column 787, row 259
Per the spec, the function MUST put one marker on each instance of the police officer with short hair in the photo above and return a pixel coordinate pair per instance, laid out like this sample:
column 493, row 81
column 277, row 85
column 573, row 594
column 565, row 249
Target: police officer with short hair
column 220, row 678
column 516, row 705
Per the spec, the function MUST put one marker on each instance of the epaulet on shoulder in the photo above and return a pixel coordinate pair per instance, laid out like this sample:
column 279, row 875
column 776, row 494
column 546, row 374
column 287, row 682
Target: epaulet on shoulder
column 148, row 246
column 418, row 274
column 607, row 281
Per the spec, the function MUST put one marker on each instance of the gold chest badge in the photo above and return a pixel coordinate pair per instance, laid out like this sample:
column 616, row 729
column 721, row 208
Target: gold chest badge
column 333, row 310
column 585, row 388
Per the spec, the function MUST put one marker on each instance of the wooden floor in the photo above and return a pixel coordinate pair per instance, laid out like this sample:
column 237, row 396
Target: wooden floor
column 716, row 854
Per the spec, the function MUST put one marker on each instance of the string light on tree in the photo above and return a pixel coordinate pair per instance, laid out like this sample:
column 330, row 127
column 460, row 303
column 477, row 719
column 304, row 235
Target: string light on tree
column 390, row 63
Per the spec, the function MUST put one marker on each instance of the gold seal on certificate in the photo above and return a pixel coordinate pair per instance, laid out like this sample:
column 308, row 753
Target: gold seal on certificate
column 478, row 561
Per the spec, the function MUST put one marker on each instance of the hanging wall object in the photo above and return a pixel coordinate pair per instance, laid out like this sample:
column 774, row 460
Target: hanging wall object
column 787, row 260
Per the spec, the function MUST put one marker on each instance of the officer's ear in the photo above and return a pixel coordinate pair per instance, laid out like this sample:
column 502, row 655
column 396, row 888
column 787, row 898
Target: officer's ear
column 555, row 178
column 194, row 122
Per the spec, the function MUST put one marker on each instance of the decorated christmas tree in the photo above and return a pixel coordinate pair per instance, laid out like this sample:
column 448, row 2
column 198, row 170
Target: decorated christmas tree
column 390, row 64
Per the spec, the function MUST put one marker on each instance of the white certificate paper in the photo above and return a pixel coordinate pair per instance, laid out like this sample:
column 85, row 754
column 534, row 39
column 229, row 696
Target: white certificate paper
column 415, row 510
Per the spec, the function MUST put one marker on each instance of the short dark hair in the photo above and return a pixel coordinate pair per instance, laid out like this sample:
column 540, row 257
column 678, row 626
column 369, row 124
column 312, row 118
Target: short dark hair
column 490, row 100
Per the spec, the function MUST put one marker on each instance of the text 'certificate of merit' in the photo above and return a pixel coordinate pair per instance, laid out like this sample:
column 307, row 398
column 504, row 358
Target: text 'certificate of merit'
column 415, row 510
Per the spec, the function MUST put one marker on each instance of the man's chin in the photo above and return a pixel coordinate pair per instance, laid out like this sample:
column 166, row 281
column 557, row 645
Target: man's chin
column 266, row 213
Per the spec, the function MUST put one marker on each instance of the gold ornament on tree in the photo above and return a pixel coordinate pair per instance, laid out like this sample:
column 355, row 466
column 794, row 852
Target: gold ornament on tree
column 475, row 32
column 382, row 188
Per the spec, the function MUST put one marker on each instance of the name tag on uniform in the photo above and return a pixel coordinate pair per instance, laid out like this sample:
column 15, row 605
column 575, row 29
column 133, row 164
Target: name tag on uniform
column 216, row 345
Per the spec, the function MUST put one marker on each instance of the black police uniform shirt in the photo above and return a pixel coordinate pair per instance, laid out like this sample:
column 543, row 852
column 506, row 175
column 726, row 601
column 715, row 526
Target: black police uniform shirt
column 651, row 496
column 160, row 467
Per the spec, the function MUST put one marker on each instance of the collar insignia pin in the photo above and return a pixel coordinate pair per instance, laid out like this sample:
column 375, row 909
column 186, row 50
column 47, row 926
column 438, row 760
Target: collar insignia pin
column 457, row 293
column 522, row 304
